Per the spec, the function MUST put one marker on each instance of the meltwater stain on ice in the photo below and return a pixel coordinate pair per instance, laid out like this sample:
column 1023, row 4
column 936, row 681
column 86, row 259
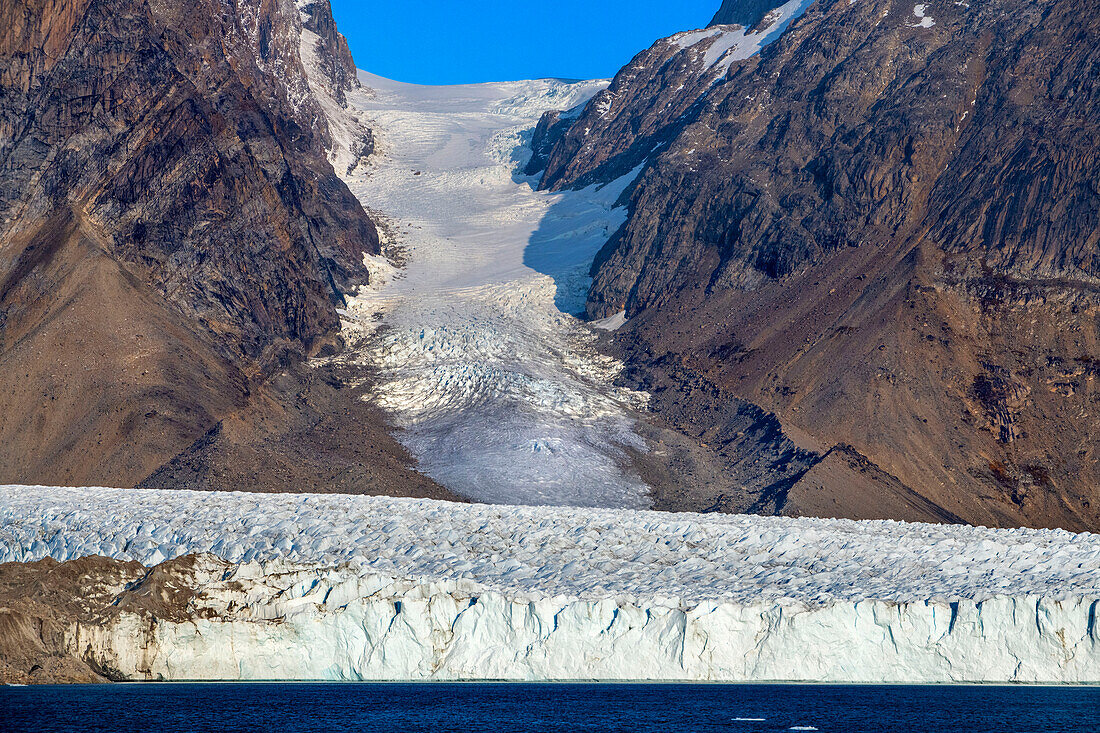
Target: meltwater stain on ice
column 492, row 381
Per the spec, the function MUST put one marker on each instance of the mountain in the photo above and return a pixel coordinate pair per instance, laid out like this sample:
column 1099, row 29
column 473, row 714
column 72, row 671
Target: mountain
column 745, row 13
column 172, row 236
column 861, row 266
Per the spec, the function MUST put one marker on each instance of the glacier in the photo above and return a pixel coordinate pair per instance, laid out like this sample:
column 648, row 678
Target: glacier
column 472, row 345
column 364, row 588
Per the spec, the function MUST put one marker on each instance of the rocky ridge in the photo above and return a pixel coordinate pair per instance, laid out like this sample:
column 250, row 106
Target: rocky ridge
column 172, row 234
column 745, row 13
column 880, row 229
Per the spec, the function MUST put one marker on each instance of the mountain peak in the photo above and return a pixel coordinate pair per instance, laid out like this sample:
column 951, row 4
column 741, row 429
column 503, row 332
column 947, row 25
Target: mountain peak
column 743, row 12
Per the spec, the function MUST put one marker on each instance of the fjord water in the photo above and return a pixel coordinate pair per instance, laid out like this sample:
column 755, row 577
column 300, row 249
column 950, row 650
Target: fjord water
column 548, row 707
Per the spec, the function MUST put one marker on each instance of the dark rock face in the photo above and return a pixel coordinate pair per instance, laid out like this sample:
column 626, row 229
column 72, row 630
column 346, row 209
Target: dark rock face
column 188, row 138
column 861, row 229
column 552, row 126
column 171, row 232
column 337, row 65
column 296, row 440
column 45, row 604
column 645, row 106
column 743, row 12
column 42, row 601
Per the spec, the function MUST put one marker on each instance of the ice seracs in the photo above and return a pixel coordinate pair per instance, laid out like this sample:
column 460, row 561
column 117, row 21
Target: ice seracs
column 338, row 587
column 280, row 621
column 538, row 552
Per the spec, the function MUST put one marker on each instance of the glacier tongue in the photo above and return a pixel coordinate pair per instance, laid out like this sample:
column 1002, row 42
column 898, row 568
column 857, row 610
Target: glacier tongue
column 497, row 387
column 340, row 587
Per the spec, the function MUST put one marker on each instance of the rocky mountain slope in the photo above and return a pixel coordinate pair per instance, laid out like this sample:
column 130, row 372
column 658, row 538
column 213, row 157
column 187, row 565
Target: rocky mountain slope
column 171, row 231
column 873, row 225
column 743, row 12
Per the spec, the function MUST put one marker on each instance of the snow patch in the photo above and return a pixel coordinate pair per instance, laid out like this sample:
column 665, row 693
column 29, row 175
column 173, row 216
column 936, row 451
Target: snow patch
column 380, row 270
column 688, row 39
column 611, row 323
column 923, row 19
column 344, row 128
column 724, row 45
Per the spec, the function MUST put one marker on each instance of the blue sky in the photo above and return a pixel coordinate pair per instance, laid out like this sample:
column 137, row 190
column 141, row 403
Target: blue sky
column 461, row 41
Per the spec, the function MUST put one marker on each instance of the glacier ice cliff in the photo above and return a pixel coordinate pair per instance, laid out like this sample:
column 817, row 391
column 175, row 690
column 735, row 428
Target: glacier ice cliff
column 293, row 622
column 360, row 588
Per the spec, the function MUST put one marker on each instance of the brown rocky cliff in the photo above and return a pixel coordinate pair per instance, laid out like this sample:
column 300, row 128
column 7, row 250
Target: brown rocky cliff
column 44, row 604
column 171, row 232
column 883, row 229
column 333, row 52
column 167, row 126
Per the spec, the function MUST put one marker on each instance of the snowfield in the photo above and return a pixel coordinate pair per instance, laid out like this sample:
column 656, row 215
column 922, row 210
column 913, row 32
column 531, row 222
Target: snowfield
column 342, row 587
column 494, row 383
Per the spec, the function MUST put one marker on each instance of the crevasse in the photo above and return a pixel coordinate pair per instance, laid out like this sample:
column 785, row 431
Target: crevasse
column 348, row 587
column 373, row 628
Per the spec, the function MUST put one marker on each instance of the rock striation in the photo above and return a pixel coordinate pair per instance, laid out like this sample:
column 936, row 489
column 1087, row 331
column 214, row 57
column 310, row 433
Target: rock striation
column 172, row 233
column 188, row 139
column 875, row 221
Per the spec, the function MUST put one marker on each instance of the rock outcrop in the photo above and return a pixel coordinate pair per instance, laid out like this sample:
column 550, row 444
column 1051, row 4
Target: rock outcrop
column 187, row 139
column 882, row 228
column 332, row 52
column 171, row 231
column 745, row 13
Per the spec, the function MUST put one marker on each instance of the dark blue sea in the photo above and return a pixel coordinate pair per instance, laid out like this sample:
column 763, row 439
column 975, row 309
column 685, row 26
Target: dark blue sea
column 631, row 708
